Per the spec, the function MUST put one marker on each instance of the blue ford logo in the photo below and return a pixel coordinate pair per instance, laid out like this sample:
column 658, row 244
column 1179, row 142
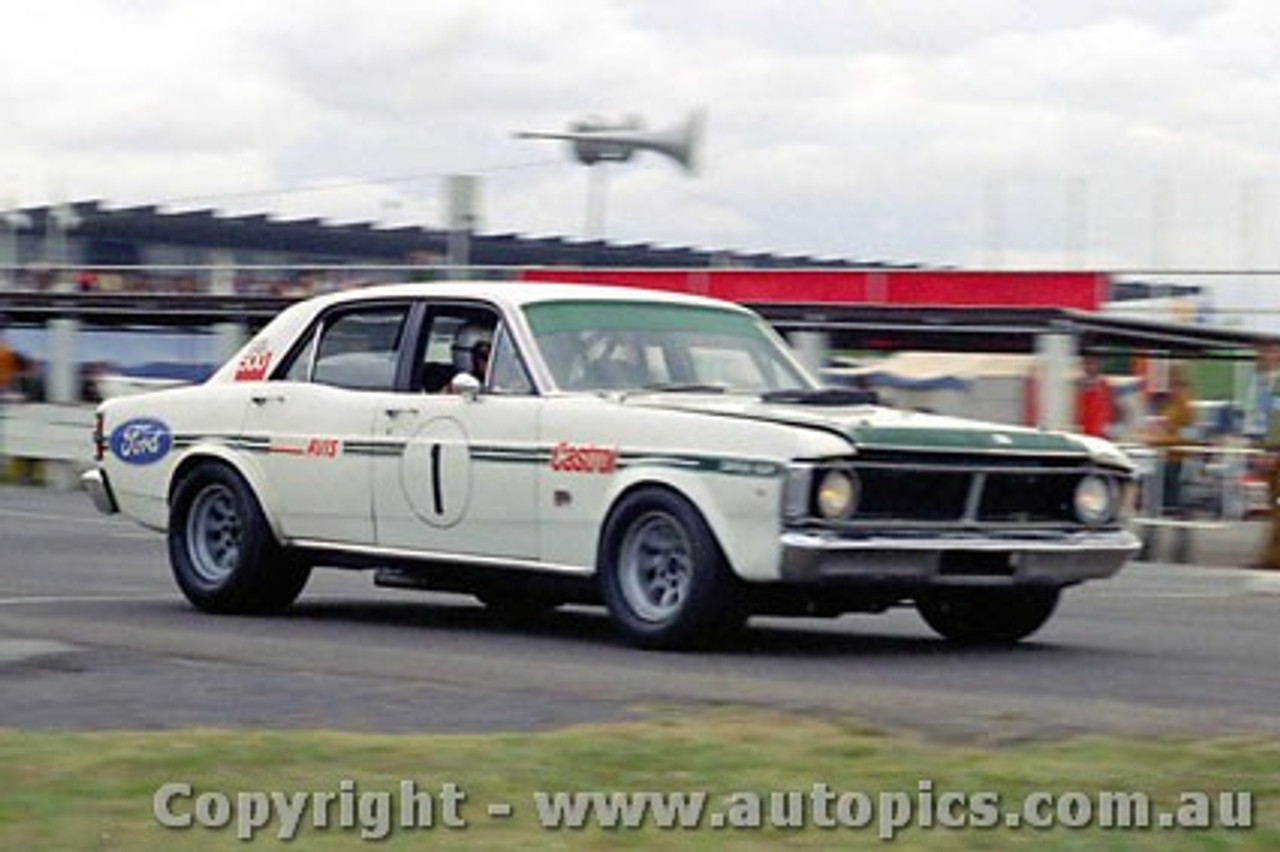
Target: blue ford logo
column 142, row 440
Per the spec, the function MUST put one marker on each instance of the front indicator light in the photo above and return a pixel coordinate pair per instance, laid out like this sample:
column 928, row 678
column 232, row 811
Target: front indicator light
column 99, row 437
column 1128, row 501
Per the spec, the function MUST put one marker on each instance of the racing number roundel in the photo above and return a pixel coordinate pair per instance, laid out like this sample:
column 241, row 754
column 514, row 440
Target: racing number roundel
column 435, row 472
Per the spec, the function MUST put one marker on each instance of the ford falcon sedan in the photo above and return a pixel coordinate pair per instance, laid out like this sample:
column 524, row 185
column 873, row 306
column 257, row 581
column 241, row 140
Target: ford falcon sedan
column 536, row 445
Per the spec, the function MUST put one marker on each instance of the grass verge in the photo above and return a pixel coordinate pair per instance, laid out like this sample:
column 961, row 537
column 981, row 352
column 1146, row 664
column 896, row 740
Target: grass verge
column 87, row 791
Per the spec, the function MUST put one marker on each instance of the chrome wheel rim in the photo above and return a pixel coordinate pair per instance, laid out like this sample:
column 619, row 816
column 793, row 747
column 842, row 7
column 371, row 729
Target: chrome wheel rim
column 214, row 534
column 655, row 567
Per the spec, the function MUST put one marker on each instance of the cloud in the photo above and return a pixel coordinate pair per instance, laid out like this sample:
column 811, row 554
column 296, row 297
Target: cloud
column 912, row 130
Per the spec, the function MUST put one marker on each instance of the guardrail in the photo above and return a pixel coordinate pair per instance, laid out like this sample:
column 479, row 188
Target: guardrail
column 1199, row 484
column 56, row 437
column 36, row 308
column 1197, row 493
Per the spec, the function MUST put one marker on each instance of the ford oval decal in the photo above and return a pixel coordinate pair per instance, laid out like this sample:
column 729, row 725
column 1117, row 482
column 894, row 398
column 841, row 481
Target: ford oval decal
column 142, row 440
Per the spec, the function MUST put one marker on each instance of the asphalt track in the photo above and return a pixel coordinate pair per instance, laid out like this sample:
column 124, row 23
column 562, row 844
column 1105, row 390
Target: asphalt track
column 93, row 634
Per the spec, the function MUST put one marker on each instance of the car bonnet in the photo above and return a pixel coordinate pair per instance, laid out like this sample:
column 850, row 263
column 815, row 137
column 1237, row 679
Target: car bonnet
column 878, row 427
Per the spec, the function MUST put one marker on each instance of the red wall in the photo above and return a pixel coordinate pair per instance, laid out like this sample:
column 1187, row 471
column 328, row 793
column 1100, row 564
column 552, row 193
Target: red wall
column 1080, row 290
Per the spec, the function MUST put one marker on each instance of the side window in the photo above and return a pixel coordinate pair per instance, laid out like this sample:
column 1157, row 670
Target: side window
column 437, row 357
column 458, row 339
column 507, row 374
column 299, row 369
column 359, row 349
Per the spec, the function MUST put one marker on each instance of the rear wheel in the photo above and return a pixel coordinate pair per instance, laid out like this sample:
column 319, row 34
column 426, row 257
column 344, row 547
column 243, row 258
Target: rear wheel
column 221, row 550
column 987, row 616
column 663, row 576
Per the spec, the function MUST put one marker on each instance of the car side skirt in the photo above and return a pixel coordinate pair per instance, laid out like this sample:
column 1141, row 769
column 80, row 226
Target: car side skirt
column 372, row 556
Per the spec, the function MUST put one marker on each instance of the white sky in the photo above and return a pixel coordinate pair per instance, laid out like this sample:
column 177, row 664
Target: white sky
column 1012, row 133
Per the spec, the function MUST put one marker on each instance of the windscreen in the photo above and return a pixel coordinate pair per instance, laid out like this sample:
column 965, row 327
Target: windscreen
column 620, row 345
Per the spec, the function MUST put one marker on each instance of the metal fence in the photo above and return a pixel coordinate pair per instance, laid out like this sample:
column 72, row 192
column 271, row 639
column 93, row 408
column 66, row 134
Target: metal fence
column 1199, row 484
column 1195, row 493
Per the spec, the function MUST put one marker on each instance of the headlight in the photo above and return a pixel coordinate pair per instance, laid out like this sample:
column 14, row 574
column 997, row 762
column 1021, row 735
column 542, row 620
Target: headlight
column 837, row 495
column 1095, row 500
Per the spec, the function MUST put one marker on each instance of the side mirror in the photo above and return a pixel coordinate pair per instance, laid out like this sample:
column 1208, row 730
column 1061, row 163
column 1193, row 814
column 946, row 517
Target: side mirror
column 467, row 385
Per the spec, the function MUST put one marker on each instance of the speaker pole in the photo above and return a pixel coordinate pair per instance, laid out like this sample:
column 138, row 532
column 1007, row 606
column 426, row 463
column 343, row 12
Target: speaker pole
column 597, row 201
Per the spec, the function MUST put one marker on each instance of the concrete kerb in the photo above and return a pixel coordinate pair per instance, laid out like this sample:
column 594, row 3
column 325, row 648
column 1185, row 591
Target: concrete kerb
column 1264, row 582
column 1235, row 544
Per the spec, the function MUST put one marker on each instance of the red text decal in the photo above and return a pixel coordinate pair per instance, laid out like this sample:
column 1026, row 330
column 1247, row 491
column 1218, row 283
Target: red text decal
column 583, row 458
column 253, row 367
column 323, row 447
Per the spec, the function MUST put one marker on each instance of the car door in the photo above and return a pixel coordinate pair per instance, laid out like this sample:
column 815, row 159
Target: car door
column 311, row 428
column 464, row 482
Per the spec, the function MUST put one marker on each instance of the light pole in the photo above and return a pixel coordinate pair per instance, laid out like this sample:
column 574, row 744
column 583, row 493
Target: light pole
column 14, row 221
column 61, row 220
column 464, row 218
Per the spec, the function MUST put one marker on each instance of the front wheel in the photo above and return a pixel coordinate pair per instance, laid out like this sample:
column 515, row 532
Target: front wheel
column 987, row 616
column 663, row 576
column 221, row 550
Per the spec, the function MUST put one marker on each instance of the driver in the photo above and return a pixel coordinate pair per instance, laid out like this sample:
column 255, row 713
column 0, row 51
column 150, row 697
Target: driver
column 471, row 347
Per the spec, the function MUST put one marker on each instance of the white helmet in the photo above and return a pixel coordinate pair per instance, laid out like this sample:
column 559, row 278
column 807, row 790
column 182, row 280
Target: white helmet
column 465, row 342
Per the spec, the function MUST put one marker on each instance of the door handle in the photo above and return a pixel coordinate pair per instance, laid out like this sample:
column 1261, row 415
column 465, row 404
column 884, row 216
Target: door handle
column 396, row 412
column 263, row 399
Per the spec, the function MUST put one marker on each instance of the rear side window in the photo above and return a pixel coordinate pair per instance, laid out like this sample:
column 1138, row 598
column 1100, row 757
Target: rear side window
column 356, row 349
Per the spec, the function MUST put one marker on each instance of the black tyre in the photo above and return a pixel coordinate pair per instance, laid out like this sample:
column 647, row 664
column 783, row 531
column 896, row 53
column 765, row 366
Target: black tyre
column 222, row 552
column 987, row 616
column 663, row 576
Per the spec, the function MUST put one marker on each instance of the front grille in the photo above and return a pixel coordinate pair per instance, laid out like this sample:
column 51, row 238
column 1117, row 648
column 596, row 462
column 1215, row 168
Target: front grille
column 933, row 489
column 890, row 493
column 1028, row 497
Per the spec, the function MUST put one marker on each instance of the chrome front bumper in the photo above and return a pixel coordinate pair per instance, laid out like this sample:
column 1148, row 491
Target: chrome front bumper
column 95, row 482
column 954, row 559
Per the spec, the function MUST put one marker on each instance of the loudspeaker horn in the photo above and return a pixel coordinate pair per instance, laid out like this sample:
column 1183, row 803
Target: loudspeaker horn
column 596, row 140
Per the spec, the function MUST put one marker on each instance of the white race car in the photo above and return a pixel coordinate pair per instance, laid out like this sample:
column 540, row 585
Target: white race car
column 541, row 444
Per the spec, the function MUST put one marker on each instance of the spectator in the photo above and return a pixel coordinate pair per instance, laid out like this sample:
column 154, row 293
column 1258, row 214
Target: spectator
column 1174, row 428
column 1260, row 405
column 1262, row 427
column 1095, row 403
column 10, row 367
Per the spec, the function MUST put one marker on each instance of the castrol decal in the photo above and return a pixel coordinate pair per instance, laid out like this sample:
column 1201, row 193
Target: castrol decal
column 583, row 458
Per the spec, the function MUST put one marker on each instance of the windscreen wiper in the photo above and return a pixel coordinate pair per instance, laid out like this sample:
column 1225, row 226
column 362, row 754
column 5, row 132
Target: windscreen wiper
column 822, row 396
column 684, row 387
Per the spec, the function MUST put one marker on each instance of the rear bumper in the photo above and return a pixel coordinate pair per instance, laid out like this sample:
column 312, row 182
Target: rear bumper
column 955, row 559
column 96, row 483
